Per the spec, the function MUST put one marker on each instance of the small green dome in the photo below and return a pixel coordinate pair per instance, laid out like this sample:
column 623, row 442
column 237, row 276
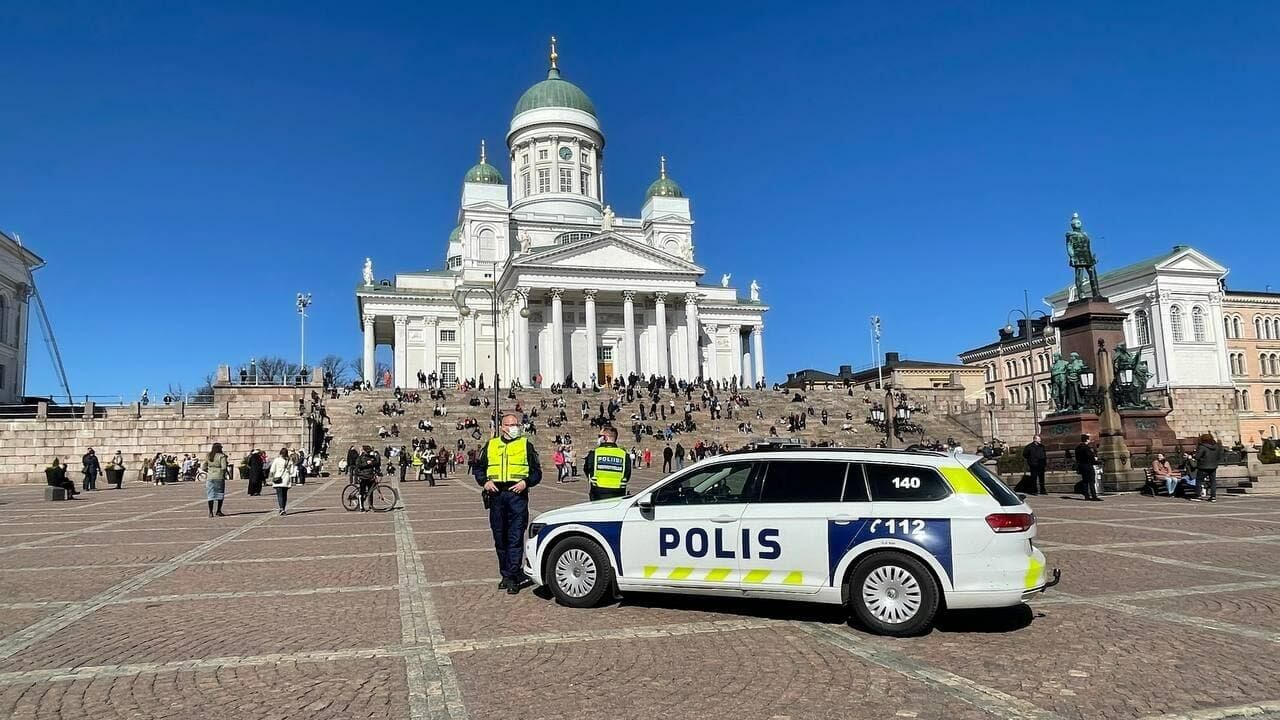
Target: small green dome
column 456, row 235
column 483, row 172
column 664, row 186
column 554, row 92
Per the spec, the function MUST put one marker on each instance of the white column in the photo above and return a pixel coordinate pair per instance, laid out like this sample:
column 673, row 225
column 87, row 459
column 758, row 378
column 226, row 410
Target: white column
column 660, row 313
column 468, row 348
column 401, row 356
column 757, row 352
column 692, row 335
column 557, row 337
column 522, row 336
column 368, row 349
column 629, row 331
column 712, row 371
column 735, row 349
column 593, row 357
column 430, row 335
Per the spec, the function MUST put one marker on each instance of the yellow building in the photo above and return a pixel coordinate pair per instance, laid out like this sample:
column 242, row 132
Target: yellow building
column 1251, row 326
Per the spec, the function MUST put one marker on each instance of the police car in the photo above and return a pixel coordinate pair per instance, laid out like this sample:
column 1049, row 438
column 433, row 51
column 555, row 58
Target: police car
column 894, row 535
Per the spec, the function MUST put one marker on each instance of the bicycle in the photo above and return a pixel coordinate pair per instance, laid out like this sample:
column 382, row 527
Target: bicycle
column 382, row 497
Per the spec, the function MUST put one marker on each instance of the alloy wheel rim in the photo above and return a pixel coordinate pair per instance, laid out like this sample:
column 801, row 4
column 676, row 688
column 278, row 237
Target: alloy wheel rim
column 575, row 573
column 891, row 594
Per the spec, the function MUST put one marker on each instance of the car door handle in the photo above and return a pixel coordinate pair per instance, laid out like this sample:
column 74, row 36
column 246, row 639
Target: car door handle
column 723, row 519
column 843, row 518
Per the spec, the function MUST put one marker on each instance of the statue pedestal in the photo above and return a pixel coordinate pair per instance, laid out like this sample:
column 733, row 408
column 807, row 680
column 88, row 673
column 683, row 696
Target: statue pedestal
column 1147, row 431
column 1061, row 433
column 1087, row 321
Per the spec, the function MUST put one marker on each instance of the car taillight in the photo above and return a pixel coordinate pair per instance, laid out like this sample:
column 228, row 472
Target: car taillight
column 1011, row 522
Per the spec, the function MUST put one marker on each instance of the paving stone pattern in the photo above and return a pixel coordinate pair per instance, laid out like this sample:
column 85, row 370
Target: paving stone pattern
column 134, row 604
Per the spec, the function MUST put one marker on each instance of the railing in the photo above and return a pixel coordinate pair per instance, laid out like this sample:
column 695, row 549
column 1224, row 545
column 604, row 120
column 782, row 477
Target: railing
column 247, row 379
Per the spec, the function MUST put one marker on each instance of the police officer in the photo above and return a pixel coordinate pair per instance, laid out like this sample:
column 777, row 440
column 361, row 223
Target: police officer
column 368, row 468
column 508, row 469
column 608, row 466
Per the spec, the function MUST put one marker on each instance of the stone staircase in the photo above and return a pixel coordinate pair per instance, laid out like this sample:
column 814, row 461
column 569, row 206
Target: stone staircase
column 349, row 428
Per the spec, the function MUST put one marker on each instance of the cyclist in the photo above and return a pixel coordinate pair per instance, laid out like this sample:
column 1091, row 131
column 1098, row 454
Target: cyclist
column 368, row 468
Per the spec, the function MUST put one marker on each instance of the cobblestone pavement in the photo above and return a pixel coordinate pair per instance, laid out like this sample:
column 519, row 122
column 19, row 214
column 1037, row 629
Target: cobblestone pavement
column 134, row 604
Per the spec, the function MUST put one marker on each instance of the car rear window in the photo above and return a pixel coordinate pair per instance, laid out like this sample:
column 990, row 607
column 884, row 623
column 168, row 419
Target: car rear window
column 993, row 484
column 905, row 483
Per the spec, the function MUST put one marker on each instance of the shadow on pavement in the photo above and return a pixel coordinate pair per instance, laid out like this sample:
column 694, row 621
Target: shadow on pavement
column 990, row 620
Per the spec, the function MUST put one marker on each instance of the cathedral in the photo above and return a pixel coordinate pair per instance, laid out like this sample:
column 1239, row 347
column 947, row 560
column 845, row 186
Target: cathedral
column 580, row 293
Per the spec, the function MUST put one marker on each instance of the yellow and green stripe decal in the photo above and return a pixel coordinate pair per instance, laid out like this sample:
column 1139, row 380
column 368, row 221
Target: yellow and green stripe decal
column 680, row 573
column 755, row 576
column 1035, row 573
column 718, row 575
column 963, row 481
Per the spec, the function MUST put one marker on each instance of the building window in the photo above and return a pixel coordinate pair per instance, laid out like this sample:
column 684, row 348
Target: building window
column 544, row 180
column 1175, row 323
column 1268, row 400
column 1268, row 329
column 448, row 373
column 1142, row 327
column 486, row 246
column 566, row 238
column 586, row 158
column 1275, row 364
column 455, row 262
column 542, row 154
column 448, row 336
column 524, row 160
column 991, row 397
column 526, row 184
column 1197, row 324
column 585, row 179
column 566, row 180
column 1257, row 326
column 1244, row 399
column 4, row 373
column 1013, row 395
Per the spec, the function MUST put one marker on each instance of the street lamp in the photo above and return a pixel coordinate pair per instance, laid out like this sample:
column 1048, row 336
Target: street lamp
column 1027, row 317
column 303, row 302
column 465, row 311
column 1086, row 379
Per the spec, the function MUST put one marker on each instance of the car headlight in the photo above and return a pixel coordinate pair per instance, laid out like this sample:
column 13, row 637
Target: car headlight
column 535, row 528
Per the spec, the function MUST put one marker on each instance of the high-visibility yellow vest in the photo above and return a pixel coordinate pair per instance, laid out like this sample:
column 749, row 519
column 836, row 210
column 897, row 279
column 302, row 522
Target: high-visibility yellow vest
column 508, row 462
column 609, row 471
column 417, row 458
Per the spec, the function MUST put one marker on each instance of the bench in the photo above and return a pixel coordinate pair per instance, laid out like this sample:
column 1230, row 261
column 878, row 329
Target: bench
column 54, row 494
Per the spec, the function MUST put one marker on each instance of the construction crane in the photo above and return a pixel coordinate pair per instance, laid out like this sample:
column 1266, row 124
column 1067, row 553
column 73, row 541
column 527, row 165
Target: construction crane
column 46, row 328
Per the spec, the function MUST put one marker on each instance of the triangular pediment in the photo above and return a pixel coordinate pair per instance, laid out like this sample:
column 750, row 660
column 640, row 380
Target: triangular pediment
column 1190, row 260
column 609, row 251
column 486, row 205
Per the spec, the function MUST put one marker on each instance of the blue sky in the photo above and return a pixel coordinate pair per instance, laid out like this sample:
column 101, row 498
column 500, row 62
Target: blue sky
column 186, row 168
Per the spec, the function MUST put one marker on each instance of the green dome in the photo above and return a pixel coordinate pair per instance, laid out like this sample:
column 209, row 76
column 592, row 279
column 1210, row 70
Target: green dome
column 664, row 186
column 554, row 92
column 456, row 235
column 483, row 172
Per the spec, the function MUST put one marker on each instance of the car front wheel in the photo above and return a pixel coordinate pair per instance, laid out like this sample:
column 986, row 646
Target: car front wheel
column 578, row 572
column 893, row 594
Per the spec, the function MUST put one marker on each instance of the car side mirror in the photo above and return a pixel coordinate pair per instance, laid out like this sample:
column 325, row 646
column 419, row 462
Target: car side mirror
column 1022, row 496
column 645, row 503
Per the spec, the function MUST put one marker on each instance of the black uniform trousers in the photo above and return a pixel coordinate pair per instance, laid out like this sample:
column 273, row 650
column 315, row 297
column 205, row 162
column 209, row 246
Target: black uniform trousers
column 508, row 519
column 599, row 493
column 1037, row 477
column 1090, row 481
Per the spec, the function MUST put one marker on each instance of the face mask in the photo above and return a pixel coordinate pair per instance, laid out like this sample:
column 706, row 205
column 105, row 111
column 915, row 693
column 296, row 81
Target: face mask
column 600, row 441
column 512, row 432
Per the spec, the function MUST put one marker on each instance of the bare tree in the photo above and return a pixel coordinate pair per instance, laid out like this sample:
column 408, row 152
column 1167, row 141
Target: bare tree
column 336, row 367
column 276, row 369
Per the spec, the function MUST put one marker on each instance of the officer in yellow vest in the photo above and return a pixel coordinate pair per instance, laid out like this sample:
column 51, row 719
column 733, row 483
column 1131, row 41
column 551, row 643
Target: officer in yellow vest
column 509, row 469
column 608, row 467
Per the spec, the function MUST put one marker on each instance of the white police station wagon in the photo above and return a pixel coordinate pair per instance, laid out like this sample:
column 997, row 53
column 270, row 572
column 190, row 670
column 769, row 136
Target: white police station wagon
column 896, row 535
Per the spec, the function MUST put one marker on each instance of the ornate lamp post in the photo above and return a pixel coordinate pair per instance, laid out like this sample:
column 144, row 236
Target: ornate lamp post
column 465, row 310
column 1027, row 317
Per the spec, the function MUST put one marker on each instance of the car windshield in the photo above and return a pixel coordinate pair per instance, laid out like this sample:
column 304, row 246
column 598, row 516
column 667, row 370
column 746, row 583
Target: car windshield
column 995, row 486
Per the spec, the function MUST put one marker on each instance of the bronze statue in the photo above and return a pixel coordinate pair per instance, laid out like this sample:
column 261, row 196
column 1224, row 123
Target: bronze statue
column 1058, row 382
column 1080, row 256
column 1074, row 394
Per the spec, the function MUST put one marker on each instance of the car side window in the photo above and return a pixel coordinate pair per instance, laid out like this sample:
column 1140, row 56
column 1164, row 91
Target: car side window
column 723, row 484
column 855, row 485
column 905, row 483
column 797, row 481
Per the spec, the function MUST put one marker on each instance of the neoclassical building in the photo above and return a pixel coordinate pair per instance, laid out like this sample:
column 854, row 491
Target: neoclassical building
column 580, row 292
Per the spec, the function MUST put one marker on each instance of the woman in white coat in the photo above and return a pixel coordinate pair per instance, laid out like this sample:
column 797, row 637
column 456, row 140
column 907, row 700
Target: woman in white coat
column 281, row 476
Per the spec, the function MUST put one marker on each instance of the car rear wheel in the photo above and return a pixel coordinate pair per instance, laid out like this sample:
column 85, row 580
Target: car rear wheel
column 578, row 572
column 893, row 594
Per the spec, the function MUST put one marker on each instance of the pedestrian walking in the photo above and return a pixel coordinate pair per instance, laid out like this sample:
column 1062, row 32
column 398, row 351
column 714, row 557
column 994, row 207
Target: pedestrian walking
column 1208, row 457
column 91, row 470
column 667, row 454
column 507, row 470
column 1086, row 460
column 1036, row 457
column 281, row 475
column 215, row 484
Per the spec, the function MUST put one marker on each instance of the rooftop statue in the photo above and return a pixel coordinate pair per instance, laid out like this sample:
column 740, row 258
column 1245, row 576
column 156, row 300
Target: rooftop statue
column 606, row 224
column 724, row 280
column 1080, row 256
column 755, row 291
column 368, row 271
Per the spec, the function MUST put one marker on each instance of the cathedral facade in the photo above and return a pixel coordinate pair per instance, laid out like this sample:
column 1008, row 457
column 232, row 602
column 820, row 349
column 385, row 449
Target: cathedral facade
column 580, row 293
